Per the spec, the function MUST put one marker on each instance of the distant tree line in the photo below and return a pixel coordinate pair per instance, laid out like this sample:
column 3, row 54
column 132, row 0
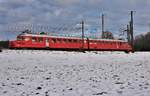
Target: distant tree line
column 142, row 42
column 4, row 44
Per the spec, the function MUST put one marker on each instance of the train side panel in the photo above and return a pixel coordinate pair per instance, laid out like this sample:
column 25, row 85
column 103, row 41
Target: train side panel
column 42, row 42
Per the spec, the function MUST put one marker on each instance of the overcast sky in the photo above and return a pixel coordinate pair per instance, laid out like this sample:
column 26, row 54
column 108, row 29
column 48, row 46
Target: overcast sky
column 70, row 12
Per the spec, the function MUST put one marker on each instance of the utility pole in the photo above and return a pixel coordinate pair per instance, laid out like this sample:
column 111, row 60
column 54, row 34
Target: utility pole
column 128, row 34
column 131, row 29
column 82, row 23
column 102, row 25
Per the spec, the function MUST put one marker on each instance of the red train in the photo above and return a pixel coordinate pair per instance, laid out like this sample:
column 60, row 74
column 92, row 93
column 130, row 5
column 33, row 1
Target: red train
column 38, row 41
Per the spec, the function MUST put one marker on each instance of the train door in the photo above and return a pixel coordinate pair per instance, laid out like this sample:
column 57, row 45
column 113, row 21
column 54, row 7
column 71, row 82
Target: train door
column 88, row 43
column 47, row 42
column 117, row 45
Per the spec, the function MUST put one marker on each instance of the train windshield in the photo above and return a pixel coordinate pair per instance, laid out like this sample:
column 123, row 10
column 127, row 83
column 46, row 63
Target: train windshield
column 20, row 38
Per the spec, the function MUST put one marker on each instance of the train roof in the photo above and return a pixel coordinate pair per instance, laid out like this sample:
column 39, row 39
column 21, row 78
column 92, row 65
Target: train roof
column 44, row 35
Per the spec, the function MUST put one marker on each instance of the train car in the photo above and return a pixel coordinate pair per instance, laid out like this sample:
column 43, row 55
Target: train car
column 38, row 41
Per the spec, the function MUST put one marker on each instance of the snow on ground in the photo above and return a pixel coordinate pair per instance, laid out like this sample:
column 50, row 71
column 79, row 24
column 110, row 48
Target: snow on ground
column 57, row 73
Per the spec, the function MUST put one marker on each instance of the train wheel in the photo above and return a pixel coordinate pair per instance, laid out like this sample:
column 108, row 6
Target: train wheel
column 82, row 50
column 127, row 51
column 132, row 51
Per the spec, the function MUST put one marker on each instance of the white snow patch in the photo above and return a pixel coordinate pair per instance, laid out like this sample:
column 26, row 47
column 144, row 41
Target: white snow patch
column 58, row 73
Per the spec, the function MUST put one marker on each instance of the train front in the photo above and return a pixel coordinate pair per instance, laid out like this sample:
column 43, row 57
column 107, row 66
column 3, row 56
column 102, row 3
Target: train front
column 18, row 43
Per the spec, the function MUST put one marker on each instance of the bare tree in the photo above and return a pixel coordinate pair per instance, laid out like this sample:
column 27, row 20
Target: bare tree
column 107, row 35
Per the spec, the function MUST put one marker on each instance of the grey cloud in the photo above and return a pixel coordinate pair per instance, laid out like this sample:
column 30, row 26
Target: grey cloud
column 51, row 12
column 67, row 2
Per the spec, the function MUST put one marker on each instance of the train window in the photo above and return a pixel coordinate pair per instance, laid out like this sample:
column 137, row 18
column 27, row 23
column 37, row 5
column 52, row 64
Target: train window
column 54, row 40
column 19, row 38
column 40, row 39
column 69, row 40
column 80, row 41
column 59, row 41
column 120, row 43
column 75, row 41
column 65, row 40
column 33, row 39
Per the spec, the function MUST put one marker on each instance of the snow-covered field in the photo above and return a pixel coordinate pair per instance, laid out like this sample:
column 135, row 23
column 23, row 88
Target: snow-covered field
column 57, row 73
